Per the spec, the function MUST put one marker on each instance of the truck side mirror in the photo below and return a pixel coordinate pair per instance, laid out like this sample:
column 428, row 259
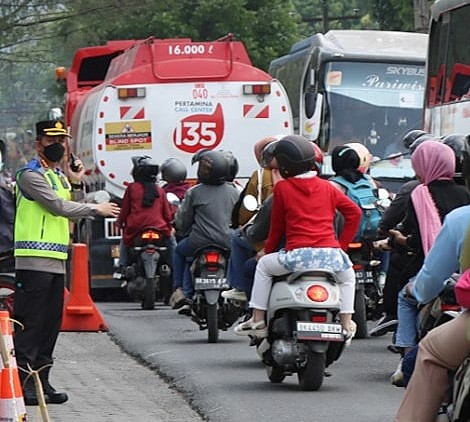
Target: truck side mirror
column 310, row 99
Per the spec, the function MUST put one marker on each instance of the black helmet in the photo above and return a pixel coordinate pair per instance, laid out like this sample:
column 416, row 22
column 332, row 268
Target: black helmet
column 173, row 170
column 411, row 137
column 423, row 138
column 232, row 165
column 213, row 168
column 344, row 157
column 457, row 143
column 294, row 155
column 196, row 157
column 145, row 169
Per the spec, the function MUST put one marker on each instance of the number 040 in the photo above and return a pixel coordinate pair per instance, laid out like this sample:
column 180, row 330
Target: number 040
column 194, row 133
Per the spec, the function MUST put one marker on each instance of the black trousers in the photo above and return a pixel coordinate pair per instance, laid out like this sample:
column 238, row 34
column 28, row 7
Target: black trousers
column 38, row 305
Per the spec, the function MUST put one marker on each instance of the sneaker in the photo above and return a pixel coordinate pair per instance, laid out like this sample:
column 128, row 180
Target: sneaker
column 251, row 328
column 384, row 325
column 185, row 310
column 177, row 299
column 398, row 379
column 234, row 294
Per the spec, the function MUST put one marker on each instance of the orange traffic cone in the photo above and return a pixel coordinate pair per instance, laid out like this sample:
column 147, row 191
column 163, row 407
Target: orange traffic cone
column 80, row 312
column 12, row 407
column 7, row 347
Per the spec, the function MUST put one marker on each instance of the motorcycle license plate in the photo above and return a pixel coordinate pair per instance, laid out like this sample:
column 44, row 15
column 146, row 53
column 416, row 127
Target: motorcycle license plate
column 210, row 283
column 319, row 331
column 364, row 277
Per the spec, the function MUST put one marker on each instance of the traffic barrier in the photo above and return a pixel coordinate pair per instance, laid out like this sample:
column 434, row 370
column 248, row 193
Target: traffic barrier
column 12, row 407
column 80, row 312
column 7, row 348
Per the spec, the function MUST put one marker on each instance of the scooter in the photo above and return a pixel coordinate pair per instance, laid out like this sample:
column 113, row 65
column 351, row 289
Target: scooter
column 304, row 333
column 208, row 309
column 149, row 274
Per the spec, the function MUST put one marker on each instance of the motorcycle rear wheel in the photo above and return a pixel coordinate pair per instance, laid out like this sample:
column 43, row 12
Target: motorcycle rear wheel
column 212, row 324
column 311, row 375
column 275, row 374
column 148, row 300
column 360, row 313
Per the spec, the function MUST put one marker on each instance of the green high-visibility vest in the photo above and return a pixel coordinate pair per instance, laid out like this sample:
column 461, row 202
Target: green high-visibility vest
column 38, row 233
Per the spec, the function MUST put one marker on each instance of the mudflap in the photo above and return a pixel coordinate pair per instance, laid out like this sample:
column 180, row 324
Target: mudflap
column 212, row 296
column 150, row 262
column 334, row 351
column 318, row 346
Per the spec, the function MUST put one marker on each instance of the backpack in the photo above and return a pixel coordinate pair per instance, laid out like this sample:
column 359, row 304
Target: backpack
column 363, row 193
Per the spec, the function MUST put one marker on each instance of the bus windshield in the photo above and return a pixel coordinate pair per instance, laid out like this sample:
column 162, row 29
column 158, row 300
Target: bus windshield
column 374, row 104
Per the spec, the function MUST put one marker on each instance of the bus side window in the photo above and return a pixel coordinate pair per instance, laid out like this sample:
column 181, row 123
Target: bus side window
column 459, row 83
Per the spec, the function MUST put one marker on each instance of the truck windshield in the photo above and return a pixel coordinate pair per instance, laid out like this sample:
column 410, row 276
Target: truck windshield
column 374, row 104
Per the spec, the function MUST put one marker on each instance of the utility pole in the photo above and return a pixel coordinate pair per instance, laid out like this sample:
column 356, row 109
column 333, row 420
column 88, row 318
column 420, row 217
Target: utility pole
column 325, row 20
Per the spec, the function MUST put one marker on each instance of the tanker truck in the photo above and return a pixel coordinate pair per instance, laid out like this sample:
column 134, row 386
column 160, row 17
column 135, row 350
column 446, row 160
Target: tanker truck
column 163, row 98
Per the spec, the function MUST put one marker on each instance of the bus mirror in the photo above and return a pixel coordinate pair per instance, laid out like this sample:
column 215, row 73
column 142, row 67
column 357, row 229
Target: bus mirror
column 310, row 99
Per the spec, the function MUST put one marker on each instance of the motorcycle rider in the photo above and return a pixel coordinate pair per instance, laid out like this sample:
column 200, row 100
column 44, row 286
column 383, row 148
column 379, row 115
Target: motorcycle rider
column 260, row 185
column 437, row 195
column 203, row 217
column 303, row 211
column 144, row 205
column 445, row 347
column 174, row 173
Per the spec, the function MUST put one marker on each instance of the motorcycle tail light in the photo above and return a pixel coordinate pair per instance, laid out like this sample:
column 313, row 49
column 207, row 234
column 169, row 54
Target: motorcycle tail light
column 150, row 235
column 317, row 293
column 318, row 318
column 355, row 245
column 212, row 260
column 212, row 257
column 357, row 267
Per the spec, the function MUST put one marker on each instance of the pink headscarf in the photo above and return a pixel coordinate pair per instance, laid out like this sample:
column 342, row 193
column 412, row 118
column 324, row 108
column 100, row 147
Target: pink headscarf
column 431, row 161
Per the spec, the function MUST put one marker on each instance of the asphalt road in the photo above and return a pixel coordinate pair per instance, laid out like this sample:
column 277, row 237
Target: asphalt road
column 227, row 382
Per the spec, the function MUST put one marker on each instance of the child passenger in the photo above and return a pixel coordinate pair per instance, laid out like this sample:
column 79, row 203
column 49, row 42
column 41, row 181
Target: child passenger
column 303, row 212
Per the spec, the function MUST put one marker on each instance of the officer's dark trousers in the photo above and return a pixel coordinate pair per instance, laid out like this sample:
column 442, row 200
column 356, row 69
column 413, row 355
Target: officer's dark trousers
column 38, row 303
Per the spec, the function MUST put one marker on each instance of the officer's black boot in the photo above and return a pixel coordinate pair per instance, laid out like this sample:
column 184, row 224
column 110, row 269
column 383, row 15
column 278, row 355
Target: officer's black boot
column 50, row 393
column 29, row 390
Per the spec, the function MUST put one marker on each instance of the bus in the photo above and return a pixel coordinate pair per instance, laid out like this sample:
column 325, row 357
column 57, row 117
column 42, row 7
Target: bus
column 447, row 97
column 358, row 86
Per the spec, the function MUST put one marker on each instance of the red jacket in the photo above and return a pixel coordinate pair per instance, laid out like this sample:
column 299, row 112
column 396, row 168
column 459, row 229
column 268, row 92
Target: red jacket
column 303, row 211
column 134, row 217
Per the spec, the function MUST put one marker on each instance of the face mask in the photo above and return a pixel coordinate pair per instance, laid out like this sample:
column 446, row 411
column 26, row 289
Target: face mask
column 54, row 152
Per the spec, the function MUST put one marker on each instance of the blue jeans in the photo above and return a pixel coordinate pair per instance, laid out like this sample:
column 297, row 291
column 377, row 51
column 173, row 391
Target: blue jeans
column 240, row 251
column 181, row 270
column 407, row 331
column 249, row 269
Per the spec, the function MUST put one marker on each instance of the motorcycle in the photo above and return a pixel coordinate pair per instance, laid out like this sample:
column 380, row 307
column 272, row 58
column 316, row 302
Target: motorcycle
column 440, row 310
column 208, row 309
column 304, row 333
column 370, row 277
column 370, row 281
column 148, row 275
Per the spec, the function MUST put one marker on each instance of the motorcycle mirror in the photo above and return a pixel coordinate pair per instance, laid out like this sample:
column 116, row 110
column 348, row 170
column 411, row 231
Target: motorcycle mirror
column 98, row 197
column 250, row 203
column 173, row 199
column 382, row 193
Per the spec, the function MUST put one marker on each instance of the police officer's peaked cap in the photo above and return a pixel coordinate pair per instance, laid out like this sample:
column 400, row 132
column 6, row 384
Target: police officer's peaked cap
column 51, row 128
